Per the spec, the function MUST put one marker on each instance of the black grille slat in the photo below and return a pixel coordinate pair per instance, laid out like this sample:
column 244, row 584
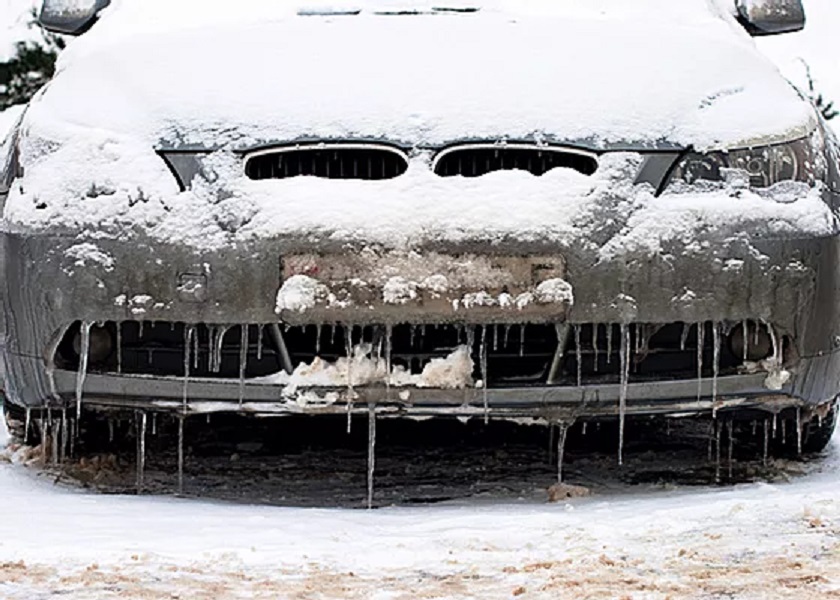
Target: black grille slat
column 328, row 163
column 478, row 161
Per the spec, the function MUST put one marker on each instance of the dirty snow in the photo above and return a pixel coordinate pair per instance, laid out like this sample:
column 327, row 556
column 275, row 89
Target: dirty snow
column 365, row 366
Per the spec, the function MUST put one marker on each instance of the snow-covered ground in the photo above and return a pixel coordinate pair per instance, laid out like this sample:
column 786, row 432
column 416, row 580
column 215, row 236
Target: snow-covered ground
column 754, row 540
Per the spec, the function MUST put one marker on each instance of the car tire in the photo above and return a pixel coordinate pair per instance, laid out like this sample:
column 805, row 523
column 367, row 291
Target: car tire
column 817, row 433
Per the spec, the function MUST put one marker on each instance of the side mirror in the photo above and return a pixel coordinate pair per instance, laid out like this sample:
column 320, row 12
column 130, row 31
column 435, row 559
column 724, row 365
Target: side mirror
column 769, row 17
column 70, row 17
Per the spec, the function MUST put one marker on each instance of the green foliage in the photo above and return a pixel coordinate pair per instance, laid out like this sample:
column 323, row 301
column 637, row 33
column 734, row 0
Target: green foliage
column 31, row 68
column 825, row 106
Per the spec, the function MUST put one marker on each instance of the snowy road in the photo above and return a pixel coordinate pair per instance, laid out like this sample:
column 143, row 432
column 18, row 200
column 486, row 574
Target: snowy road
column 642, row 541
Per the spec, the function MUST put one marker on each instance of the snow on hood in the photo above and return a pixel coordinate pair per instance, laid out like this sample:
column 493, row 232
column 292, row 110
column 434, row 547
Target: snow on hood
column 644, row 72
column 606, row 71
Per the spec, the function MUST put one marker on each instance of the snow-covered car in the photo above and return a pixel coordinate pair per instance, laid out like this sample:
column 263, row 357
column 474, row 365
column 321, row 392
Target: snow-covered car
column 540, row 210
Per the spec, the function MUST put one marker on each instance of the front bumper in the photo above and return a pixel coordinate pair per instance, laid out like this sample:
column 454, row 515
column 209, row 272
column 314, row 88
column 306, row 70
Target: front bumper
column 791, row 284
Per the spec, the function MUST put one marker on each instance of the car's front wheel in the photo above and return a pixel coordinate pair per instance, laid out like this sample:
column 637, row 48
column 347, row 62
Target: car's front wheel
column 817, row 433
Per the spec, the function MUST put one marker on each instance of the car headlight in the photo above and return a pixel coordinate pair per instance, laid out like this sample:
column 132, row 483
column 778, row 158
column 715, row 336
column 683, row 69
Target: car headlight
column 802, row 160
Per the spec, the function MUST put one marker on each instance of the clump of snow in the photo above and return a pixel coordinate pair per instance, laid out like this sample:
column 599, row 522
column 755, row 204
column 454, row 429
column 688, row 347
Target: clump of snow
column 555, row 291
column 88, row 254
column 362, row 368
column 777, row 375
column 399, row 290
column 140, row 303
column 300, row 293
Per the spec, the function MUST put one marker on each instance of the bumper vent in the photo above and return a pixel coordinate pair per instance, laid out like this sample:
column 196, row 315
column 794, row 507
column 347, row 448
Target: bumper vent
column 338, row 161
column 477, row 160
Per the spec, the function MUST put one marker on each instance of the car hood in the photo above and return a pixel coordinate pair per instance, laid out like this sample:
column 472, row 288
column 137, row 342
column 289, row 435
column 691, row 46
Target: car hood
column 605, row 76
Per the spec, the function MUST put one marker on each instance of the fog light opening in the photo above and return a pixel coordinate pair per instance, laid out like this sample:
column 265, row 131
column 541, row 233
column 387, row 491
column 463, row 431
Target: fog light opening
column 756, row 345
column 101, row 344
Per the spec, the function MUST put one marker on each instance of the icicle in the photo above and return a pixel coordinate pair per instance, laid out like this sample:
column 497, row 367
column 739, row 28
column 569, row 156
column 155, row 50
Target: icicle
column 333, row 327
column 243, row 360
column 73, row 424
column 188, row 336
column 522, row 340
column 715, row 365
column 110, row 430
column 686, row 328
column 26, row 422
column 483, row 363
column 43, row 427
column 317, row 339
column 54, row 439
column 711, row 446
column 195, row 348
column 784, row 432
column 119, row 346
column 754, row 427
column 622, row 395
column 578, row 355
column 84, row 351
column 348, row 347
column 700, row 343
column 140, row 424
column 64, row 435
column 775, row 424
column 371, row 466
column 609, row 341
column 594, row 348
column 766, row 441
column 411, row 331
column 219, row 342
column 212, row 336
column 746, row 329
column 777, row 347
column 154, row 423
column 550, row 442
column 798, row 430
column 140, row 325
column 718, row 430
column 731, row 448
column 634, row 331
column 389, row 333
column 495, row 338
column 180, row 455
column 507, row 336
column 583, row 429
column 562, row 429
column 562, row 332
